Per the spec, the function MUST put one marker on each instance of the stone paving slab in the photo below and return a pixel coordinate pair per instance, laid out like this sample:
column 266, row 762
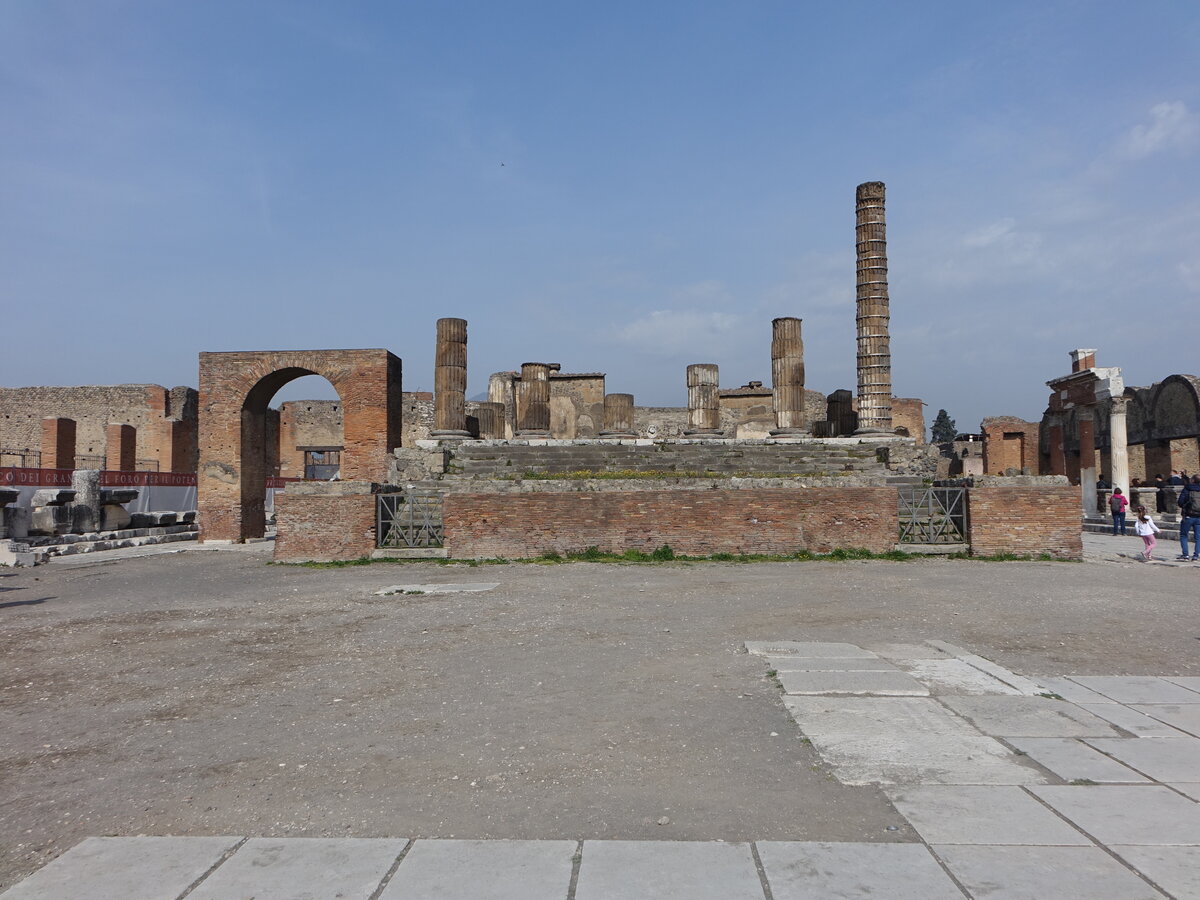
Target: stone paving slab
column 1190, row 790
column 137, row 868
column 1137, row 688
column 1071, row 691
column 1012, row 679
column 899, row 652
column 813, row 649
column 811, row 664
column 1136, row 723
column 301, row 868
column 974, row 814
column 1183, row 716
column 1163, row 759
column 866, row 716
column 1072, row 760
column 885, row 684
column 483, row 870
column 1175, row 869
column 667, row 870
column 1029, row 717
column 914, row 759
column 953, row 676
column 1191, row 682
column 1036, row 873
column 1120, row 814
column 851, row 871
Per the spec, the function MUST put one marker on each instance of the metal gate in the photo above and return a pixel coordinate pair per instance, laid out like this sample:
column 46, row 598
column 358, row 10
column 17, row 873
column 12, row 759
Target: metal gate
column 412, row 519
column 932, row 515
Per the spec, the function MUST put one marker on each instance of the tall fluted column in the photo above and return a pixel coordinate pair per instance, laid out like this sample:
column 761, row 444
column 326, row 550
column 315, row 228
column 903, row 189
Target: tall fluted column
column 618, row 416
column 873, row 313
column 450, row 380
column 533, row 401
column 1118, row 444
column 491, row 421
column 787, row 377
column 704, row 400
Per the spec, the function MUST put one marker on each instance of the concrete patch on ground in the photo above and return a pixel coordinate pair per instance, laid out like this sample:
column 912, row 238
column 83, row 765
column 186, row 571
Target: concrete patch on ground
column 881, row 684
column 813, row 649
column 953, row 676
column 1029, row 717
column 464, row 588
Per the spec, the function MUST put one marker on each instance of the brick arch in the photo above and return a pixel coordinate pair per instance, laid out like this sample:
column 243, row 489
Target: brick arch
column 1175, row 406
column 235, row 389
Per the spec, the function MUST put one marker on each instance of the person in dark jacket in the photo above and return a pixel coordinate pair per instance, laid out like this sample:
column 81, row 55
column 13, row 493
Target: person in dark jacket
column 1160, row 495
column 1189, row 519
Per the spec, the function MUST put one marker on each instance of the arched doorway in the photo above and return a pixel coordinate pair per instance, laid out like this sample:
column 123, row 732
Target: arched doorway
column 235, row 390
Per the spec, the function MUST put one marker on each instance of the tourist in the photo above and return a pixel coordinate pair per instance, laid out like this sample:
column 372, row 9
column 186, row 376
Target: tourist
column 1189, row 519
column 1146, row 529
column 1103, row 484
column 1160, row 496
column 1117, row 504
column 1175, row 479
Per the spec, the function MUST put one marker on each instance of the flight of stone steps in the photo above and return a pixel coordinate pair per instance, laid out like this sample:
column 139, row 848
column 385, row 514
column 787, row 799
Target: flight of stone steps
column 812, row 459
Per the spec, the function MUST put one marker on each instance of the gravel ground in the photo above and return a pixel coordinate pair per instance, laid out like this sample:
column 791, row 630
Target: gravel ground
column 206, row 692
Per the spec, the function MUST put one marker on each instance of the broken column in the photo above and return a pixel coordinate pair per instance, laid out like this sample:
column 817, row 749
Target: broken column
column 704, row 401
column 120, row 450
column 85, row 510
column 533, row 401
column 58, row 443
column 491, row 421
column 1086, row 419
column 787, row 377
column 450, row 381
column 618, row 416
column 873, row 313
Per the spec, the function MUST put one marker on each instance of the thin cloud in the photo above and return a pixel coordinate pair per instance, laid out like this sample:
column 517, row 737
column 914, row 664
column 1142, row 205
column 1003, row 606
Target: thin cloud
column 1172, row 126
column 671, row 332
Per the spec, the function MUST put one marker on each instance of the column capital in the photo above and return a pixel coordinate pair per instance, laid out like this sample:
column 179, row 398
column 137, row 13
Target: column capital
column 1118, row 406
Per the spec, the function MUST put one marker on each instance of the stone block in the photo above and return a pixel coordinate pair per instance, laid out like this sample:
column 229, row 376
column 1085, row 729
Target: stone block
column 496, row 870
column 667, row 870
column 1073, row 760
column 1137, row 689
column 891, row 684
column 1126, row 814
column 1044, row 872
column 1029, row 717
column 981, row 814
column 1163, row 759
column 803, row 870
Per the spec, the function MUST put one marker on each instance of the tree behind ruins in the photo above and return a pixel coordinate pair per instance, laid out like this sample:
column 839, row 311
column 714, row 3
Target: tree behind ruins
column 943, row 428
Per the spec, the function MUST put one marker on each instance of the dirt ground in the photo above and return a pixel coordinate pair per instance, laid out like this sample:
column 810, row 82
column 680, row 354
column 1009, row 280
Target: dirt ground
column 206, row 692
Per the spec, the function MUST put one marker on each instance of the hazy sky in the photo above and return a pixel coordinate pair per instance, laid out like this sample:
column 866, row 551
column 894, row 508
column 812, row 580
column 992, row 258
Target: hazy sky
column 620, row 187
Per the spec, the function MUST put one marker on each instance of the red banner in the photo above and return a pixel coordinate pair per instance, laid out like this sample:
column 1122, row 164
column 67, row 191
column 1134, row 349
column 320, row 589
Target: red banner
column 12, row 476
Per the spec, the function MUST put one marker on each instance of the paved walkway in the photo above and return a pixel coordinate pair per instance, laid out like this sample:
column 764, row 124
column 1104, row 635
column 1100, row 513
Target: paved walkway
column 1127, row 550
column 1086, row 787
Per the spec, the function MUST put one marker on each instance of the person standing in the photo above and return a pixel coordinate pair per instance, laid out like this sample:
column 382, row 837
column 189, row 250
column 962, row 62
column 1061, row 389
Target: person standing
column 1117, row 503
column 1146, row 530
column 1160, row 496
column 1189, row 519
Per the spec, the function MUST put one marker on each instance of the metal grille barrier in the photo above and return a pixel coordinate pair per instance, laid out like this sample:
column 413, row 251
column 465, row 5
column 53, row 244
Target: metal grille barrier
column 932, row 515
column 22, row 459
column 412, row 519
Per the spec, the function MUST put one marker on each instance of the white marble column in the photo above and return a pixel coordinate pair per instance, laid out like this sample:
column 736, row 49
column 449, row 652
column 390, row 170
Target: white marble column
column 1118, row 445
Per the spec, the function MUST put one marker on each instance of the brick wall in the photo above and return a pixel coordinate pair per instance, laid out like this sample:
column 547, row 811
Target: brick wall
column 909, row 413
column 1010, row 443
column 165, row 420
column 1026, row 520
column 322, row 528
column 693, row 522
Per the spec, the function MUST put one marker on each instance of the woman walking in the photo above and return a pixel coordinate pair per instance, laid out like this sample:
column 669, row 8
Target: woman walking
column 1117, row 503
column 1146, row 529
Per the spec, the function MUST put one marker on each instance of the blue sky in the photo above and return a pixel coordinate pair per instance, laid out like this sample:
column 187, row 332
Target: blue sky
column 618, row 187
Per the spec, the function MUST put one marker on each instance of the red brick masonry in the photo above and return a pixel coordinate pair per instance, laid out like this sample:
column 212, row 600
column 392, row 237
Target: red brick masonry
column 1026, row 520
column 322, row 529
column 691, row 522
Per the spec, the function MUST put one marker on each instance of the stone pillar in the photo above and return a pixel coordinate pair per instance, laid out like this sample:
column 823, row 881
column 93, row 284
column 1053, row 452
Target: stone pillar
column 787, row 378
column 839, row 410
column 85, row 509
column 491, row 421
column 1118, row 445
column 120, row 448
column 618, row 416
column 58, row 443
column 533, row 401
column 450, row 381
column 1054, row 440
column 873, row 312
column 704, row 401
column 1087, row 459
